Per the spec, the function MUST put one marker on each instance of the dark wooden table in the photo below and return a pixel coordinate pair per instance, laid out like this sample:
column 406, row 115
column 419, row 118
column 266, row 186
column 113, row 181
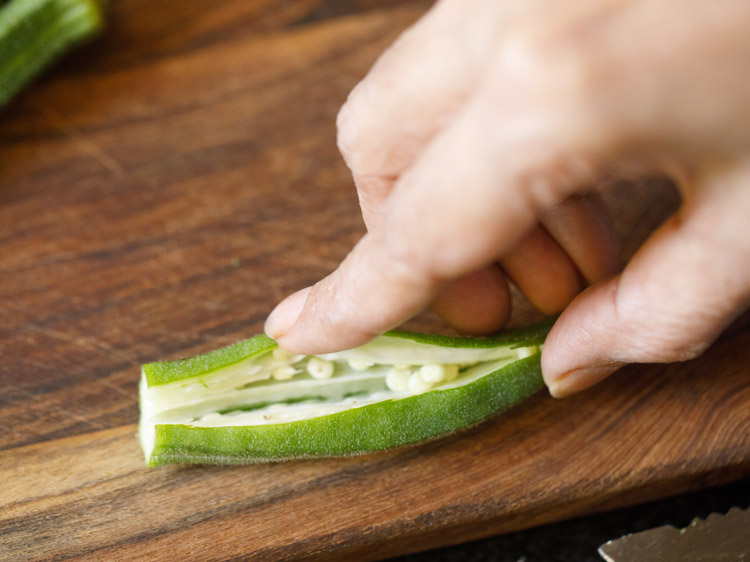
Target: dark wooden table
column 161, row 190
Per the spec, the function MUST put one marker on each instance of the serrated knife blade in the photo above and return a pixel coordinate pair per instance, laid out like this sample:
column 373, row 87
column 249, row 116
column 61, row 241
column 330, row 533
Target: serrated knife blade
column 718, row 538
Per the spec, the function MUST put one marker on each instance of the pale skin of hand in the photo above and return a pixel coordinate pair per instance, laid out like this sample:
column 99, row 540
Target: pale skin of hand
column 472, row 142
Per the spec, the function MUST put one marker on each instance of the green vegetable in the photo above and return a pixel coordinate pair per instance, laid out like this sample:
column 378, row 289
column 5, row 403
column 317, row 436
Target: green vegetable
column 254, row 402
column 33, row 33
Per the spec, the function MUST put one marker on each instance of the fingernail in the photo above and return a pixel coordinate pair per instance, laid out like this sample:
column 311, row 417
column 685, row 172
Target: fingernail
column 283, row 317
column 580, row 379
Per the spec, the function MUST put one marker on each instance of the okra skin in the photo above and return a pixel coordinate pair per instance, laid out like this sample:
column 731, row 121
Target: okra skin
column 499, row 374
column 375, row 427
column 171, row 371
column 34, row 33
column 164, row 372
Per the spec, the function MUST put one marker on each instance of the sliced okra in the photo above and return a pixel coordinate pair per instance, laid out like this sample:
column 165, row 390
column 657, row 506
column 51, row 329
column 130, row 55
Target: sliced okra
column 253, row 402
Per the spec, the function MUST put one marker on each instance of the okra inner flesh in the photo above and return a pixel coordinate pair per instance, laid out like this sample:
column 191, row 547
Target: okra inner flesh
column 277, row 387
column 253, row 402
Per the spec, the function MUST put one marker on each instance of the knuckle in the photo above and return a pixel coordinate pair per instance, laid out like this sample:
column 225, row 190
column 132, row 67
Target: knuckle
column 524, row 50
column 347, row 137
column 362, row 138
column 557, row 72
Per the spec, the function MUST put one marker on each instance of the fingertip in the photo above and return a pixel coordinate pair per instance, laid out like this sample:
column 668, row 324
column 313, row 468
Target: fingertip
column 370, row 292
column 584, row 229
column 579, row 379
column 543, row 272
column 552, row 301
column 579, row 342
column 475, row 304
column 285, row 315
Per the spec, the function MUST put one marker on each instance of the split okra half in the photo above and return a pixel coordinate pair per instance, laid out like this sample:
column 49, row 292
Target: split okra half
column 254, row 402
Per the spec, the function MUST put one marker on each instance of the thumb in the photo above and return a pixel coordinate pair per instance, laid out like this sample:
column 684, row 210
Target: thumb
column 679, row 291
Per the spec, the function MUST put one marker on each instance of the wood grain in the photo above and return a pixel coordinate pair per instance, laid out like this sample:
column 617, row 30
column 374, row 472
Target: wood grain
column 162, row 208
column 89, row 497
column 161, row 191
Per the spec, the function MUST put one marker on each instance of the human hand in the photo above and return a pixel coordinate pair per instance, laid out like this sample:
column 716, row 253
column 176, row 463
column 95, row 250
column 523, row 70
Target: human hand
column 472, row 142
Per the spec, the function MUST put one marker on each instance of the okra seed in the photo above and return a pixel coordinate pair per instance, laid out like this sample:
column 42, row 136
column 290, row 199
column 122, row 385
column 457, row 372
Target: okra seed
column 432, row 373
column 450, row 372
column 284, row 373
column 358, row 365
column 319, row 368
column 397, row 379
column 417, row 384
column 525, row 352
column 279, row 354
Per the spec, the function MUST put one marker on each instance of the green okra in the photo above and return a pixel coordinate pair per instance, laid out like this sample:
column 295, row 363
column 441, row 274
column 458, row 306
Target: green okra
column 33, row 33
column 253, row 402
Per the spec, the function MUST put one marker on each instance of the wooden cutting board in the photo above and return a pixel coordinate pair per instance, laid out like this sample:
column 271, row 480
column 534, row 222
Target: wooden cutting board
column 162, row 190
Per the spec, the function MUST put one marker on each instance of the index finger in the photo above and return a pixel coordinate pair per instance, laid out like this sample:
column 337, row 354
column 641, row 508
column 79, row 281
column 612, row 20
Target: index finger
column 432, row 232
